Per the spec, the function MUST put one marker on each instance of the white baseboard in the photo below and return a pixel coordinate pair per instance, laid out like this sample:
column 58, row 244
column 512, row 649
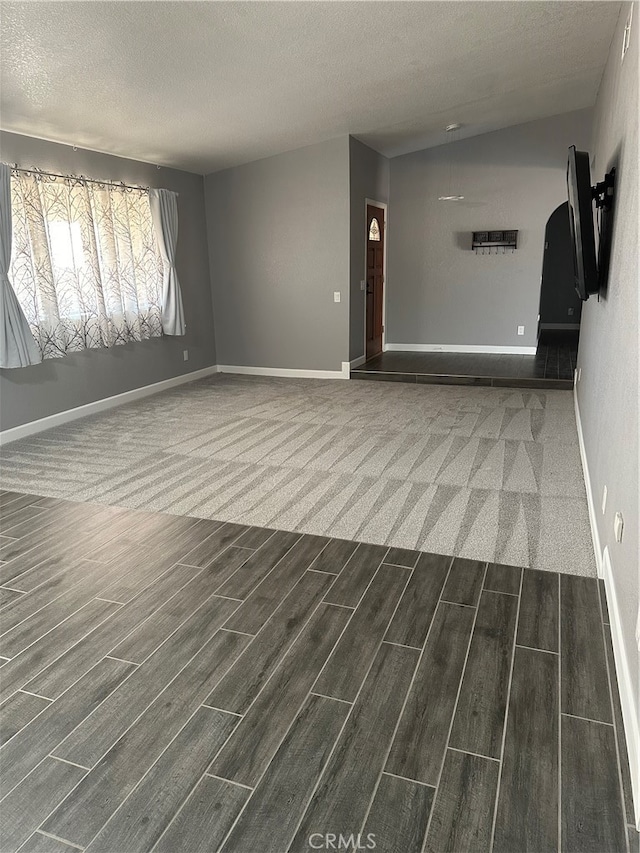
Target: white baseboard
column 357, row 362
column 593, row 521
column 24, row 430
column 628, row 701
column 459, row 348
column 291, row 372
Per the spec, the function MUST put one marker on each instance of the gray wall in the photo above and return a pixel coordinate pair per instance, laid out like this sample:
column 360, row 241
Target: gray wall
column 44, row 389
column 278, row 234
column 439, row 291
column 368, row 179
column 608, row 355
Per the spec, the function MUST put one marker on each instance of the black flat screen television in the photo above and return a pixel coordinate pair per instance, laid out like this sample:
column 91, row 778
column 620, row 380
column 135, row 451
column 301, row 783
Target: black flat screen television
column 581, row 221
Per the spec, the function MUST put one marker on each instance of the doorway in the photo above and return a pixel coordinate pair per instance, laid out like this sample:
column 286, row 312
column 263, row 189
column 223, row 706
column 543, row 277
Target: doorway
column 560, row 306
column 374, row 280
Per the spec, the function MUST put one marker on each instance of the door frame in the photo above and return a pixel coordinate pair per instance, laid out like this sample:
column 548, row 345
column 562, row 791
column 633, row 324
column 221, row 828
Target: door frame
column 384, row 205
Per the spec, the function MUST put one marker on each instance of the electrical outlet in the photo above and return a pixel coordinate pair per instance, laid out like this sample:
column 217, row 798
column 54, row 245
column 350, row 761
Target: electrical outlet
column 185, row 354
column 336, row 296
column 618, row 526
column 604, row 500
column 521, row 330
column 570, row 312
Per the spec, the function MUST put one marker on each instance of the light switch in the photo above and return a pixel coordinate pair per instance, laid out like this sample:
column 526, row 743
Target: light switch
column 363, row 285
column 336, row 296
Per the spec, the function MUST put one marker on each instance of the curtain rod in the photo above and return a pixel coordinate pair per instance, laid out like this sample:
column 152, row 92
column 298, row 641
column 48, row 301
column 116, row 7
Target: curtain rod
column 80, row 179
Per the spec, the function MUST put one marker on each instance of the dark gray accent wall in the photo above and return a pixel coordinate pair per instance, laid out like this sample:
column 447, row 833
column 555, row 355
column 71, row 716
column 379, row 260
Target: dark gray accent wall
column 278, row 233
column 30, row 393
column 439, row 291
column 368, row 179
column 608, row 391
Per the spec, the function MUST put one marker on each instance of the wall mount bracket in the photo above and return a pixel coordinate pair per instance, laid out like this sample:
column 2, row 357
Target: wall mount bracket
column 602, row 192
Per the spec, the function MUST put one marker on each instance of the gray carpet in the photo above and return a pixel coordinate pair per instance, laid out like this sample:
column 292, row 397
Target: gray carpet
column 483, row 473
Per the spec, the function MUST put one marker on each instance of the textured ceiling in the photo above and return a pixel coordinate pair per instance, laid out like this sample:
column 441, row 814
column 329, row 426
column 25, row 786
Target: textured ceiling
column 206, row 85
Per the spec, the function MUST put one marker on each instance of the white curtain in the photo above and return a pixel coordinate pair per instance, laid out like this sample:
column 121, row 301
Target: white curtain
column 17, row 346
column 164, row 210
column 85, row 267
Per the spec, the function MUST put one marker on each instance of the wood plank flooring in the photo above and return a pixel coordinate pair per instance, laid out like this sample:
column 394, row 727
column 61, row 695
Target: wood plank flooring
column 178, row 685
column 551, row 367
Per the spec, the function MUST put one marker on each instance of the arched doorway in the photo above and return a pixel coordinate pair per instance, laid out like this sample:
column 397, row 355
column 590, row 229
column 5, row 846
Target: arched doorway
column 560, row 306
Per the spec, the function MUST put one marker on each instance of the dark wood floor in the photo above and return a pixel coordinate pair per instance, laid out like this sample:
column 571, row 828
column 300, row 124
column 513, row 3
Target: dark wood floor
column 551, row 367
column 184, row 685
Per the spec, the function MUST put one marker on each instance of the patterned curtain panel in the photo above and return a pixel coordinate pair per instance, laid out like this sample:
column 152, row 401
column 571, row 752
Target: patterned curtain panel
column 85, row 265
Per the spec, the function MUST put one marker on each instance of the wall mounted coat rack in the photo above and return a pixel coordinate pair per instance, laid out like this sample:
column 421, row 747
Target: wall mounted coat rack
column 494, row 242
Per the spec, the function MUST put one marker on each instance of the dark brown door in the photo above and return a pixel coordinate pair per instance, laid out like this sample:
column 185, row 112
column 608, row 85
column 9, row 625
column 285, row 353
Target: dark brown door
column 375, row 278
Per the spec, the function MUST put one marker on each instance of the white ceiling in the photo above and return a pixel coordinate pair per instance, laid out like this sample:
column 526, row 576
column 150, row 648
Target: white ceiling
column 206, row 85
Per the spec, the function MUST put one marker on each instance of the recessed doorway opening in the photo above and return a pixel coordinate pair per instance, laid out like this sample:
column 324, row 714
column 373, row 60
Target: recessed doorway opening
column 375, row 269
column 560, row 306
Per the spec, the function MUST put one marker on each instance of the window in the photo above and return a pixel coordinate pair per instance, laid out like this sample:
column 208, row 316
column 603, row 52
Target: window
column 374, row 230
column 85, row 265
